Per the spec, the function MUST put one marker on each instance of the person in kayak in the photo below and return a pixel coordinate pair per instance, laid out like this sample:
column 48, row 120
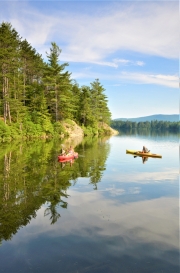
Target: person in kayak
column 70, row 151
column 145, row 150
column 63, row 152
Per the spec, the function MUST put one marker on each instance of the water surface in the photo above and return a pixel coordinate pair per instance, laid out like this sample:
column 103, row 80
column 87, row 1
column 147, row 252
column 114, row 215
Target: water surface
column 104, row 212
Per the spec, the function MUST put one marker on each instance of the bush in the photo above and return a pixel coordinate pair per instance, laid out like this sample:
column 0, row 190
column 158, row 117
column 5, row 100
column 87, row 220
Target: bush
column 58, row 128
column 69, row 121
column 47, row 126
column 5, row 131
column 16, row 131
column 89, row 131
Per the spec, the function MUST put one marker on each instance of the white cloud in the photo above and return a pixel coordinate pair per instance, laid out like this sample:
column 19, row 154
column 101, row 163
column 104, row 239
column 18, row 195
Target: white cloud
column 144, row 30
column 124, row 77
column 128, row 62
column 140, row 63
column 121, row 61
column 111, row 64
column 87, row 37
column 165, row 80
column 114, row 63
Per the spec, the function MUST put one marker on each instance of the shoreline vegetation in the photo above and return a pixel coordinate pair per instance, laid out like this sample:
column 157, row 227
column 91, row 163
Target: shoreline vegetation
column 154, row 125
column 39, row 99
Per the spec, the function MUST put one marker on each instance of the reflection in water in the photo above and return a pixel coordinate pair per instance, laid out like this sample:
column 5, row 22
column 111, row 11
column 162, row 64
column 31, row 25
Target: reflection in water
column 147, row 132
column 92, row 158
column 144, row 159
column 70, row 162
column 32, row 175
column 128, row 223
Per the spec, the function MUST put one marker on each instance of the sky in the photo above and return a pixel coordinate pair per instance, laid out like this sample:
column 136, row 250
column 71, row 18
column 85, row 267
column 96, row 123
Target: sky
column 132, row 47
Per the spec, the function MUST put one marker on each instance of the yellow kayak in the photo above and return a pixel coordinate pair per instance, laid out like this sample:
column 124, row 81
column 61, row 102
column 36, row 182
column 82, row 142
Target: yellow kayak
column 139, row 153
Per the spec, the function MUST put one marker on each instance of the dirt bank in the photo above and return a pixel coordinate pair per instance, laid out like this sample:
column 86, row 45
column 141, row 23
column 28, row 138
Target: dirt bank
column 76, row 133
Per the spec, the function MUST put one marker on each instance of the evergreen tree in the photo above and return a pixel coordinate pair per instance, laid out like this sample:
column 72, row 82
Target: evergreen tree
column 86, row 115
column 9, row 53
column 35, row 94
column 76, row 96
column 57, row 83
column 99, row 102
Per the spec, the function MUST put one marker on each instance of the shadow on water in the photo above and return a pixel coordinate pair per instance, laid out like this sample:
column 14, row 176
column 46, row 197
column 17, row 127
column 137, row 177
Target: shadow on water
column 30, row 176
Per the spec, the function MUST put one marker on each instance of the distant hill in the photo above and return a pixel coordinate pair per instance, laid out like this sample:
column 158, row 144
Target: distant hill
column 158, row 117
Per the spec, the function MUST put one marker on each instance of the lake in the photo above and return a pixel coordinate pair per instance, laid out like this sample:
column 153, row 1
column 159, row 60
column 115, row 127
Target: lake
column 104, row 212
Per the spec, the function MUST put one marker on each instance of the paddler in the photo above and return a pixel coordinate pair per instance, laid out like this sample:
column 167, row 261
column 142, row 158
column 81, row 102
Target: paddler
column 145, row 150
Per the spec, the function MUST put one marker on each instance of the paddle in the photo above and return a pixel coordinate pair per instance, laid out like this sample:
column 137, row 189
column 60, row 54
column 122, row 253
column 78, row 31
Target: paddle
column 140, row 152
column 135, row 154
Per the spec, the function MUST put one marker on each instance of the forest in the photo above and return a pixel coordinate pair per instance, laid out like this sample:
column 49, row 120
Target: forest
column 37, row 95
column 153, row 125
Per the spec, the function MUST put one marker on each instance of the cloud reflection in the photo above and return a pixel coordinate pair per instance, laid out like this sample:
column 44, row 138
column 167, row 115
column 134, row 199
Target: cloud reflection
column 144, row 221
column 144, row 231
column 171, row 174
column 116, row 191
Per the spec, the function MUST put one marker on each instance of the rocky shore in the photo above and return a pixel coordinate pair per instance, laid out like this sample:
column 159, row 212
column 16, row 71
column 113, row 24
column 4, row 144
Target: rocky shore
column 76, row 134
column 74, row 130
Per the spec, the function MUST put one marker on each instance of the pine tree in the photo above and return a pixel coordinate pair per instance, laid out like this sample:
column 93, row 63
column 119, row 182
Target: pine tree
column 9, row 50
column 86, row 115
column 58, row 86
column 99, row 102
column 76, row 100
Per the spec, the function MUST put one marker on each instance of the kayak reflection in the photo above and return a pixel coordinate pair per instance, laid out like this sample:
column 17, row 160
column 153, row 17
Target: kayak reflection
column 67, row 162
column 144, row 158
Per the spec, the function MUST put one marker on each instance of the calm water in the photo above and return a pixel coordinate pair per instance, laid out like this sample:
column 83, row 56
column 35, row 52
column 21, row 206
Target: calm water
column 105, row 212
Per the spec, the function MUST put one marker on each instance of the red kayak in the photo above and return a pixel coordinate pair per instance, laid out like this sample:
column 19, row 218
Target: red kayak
column 67, row 157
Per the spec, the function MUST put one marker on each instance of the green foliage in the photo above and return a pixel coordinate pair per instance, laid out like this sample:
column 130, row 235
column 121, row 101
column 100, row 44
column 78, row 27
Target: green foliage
column 90, row 131
column 153, row 125
column 30, row 176
column 99, row 102
column 58, row 128
column 104, row 132
column 35, row 96
column 5, row 131
column 31, row 129
column 69, row 121
column 16, row 132
column 58, row 84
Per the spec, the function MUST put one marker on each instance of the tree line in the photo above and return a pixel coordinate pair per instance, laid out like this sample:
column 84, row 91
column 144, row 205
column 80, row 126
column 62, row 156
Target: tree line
column 36, row 95
column 153, row 125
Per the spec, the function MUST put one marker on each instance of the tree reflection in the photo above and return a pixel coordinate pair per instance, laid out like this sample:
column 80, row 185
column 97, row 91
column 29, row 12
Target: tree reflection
column 95, row 153
column 54, row 214
column 31, row 176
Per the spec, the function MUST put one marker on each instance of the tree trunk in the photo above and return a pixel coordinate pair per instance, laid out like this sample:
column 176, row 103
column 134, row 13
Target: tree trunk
column 6, row 106
column 56, row 107
column 7, row 162
column 24, row 86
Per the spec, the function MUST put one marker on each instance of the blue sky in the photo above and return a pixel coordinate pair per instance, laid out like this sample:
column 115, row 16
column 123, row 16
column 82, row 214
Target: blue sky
column 131, row 46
